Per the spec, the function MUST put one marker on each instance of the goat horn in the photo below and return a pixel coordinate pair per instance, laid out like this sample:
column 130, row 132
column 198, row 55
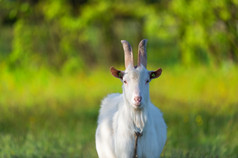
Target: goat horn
column 142, row 54
column 128, row 53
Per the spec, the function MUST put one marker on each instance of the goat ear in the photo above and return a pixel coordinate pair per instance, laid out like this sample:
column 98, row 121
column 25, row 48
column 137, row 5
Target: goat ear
column 116, row 73
column 155, row 74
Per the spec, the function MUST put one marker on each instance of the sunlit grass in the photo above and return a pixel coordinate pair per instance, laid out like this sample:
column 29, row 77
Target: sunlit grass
column 45, row 114
column 198, row 85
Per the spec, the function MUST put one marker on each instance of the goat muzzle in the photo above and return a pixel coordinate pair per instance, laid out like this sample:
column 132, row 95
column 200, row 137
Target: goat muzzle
column 138, row 100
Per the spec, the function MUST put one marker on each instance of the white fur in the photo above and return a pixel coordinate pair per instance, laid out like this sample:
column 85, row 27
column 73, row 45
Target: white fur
column 119, row 119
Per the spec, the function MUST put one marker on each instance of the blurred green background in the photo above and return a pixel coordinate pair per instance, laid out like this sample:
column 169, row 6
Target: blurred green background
column 54, row 70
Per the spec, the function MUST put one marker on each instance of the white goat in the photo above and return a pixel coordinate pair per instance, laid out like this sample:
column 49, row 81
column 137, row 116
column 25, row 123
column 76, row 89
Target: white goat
column 123, row 115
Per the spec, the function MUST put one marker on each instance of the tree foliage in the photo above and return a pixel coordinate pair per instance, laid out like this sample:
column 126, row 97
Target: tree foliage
column 72, row 34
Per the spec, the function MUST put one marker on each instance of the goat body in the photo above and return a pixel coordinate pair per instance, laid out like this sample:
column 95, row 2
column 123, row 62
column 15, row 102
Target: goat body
column 121, row 115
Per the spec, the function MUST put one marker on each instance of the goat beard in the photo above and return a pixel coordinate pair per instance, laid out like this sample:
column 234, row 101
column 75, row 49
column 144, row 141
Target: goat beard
column 139, row 118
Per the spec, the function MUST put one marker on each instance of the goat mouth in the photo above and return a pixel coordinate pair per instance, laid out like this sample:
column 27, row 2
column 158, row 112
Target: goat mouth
column 137, row 104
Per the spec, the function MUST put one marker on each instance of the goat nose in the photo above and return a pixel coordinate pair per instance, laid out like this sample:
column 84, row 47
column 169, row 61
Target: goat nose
column 138, row 99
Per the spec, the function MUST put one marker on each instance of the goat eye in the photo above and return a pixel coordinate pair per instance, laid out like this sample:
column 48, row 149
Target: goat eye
column 125, row 81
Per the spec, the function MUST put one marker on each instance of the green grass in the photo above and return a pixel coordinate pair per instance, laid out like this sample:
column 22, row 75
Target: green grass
column 43, row 132
column 47, row 114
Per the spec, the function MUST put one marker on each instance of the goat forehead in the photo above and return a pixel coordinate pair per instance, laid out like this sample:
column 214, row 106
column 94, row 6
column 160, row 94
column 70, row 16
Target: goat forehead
column 137, row 73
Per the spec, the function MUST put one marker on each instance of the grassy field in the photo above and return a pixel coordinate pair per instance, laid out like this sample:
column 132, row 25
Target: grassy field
column 48, row 114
